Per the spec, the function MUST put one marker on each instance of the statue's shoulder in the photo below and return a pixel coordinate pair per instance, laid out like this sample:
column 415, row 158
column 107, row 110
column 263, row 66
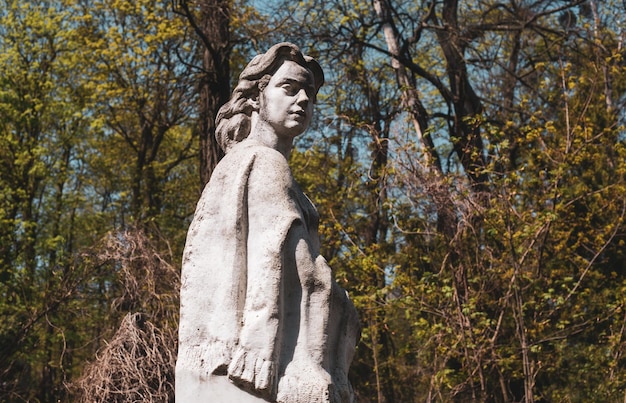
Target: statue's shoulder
column 263, row 157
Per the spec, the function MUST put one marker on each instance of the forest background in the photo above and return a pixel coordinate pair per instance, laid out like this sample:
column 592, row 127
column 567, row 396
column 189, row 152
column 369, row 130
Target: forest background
column 467, row 159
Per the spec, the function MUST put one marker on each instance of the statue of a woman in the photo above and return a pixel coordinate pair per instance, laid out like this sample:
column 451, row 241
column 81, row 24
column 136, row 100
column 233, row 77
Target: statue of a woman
column 259, row 304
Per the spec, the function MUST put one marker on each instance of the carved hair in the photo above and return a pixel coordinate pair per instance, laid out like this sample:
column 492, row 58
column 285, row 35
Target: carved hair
column 234, row 118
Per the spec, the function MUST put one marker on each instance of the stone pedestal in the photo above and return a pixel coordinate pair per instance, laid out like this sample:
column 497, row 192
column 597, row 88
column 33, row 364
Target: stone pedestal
column 216, row 389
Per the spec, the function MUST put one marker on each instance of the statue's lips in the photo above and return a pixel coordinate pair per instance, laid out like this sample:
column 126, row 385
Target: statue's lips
column 298, row 114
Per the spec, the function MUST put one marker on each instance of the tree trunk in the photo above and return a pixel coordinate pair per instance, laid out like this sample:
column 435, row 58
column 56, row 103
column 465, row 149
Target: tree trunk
column 212, row 27
column 465, row 135
column 410, row 96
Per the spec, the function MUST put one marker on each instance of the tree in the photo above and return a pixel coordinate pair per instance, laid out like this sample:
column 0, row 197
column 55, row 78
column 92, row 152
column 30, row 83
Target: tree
column 95, row 140
column 42, row 126
column 145, row 100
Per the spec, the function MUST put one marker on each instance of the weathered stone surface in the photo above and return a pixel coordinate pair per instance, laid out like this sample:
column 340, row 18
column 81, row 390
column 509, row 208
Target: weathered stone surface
column 259, row 306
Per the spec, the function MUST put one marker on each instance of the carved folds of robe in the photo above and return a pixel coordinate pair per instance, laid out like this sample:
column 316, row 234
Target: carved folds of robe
column 258, row 302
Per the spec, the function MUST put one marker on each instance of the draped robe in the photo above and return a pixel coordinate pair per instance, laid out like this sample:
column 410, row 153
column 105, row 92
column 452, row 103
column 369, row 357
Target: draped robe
column 258, row 302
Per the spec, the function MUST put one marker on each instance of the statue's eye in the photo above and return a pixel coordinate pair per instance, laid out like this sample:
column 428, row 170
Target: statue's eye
column 290, row 88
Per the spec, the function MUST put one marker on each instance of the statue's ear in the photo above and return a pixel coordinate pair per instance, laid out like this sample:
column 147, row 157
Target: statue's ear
column 254, row 102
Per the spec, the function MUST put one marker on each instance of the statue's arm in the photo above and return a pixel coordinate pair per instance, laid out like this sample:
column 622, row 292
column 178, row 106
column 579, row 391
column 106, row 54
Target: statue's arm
column 271, row 213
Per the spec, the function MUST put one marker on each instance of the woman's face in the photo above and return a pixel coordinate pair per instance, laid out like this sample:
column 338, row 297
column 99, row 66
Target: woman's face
column 286, row 104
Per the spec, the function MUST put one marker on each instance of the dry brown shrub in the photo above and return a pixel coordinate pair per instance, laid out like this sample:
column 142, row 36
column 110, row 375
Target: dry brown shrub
column 137, row 364
column 146, row 279
column 133, row 366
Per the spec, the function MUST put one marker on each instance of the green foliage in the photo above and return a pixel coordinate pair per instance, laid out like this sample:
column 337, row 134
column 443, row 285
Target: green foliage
column 497, row 281
column 42, row 123
column 94, row 138
column 486, row 259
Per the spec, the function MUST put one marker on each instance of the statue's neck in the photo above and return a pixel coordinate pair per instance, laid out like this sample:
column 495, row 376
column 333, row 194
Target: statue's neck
column 263, row 133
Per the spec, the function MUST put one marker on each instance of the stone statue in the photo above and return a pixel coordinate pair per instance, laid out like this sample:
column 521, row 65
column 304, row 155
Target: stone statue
column 259, row 305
